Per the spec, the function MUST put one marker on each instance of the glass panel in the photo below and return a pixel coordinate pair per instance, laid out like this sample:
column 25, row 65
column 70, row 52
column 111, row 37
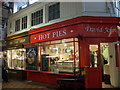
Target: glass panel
column 17, row 25
column 37, row 17
column 54, row 11
column 18, row 56
column 94, row 61
column 24, row 22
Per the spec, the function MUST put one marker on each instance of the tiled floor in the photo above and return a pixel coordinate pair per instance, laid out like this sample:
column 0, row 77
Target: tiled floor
column 34, row 85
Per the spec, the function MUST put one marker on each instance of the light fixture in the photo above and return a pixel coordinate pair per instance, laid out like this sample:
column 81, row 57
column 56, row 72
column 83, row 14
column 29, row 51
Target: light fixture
column 65, row 44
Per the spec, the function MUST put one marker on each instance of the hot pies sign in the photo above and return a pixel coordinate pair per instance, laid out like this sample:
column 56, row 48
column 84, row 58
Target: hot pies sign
column 52, row 35
column 74, row 31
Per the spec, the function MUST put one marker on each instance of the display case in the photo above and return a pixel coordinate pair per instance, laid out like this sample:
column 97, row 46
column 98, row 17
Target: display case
column 67, row 66
column 16, row 59
column 59, row 56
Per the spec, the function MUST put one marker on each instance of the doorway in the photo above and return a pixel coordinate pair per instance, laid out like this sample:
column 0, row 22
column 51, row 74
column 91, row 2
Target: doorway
column 99, row 58
column 94, row 55
column 104, row 54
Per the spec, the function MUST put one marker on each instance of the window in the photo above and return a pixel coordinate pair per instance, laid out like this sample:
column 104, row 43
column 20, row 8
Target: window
column 59, row 57
column 54, row 11
column 24, row 22
column 16, row 59
column 37, row 17
column 17, row 25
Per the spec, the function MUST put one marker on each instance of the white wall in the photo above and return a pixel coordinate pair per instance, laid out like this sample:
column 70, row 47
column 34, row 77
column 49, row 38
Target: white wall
column 114, row 71
column 97, row 9
column 68, row 10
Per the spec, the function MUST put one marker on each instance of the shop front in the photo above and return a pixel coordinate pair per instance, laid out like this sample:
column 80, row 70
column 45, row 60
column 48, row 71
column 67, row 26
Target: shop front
column 16, row 55
column 61, row 49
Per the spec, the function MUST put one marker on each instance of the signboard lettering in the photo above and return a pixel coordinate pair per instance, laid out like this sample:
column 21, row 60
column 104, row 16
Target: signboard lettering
column 18, row 41
column 90, row 29
column 52, row 35
column 59, row 33
column 100, row 29
column 110, row 29
column 22, row 41
column 85, row 30
column 44, row 36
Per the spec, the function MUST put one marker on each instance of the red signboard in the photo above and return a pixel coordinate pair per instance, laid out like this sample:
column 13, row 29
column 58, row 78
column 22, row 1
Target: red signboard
column 84, row 30
column 65, row 32
column 100, row 30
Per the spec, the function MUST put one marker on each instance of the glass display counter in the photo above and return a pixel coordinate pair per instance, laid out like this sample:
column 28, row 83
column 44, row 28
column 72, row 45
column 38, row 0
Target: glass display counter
column 67, row 66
